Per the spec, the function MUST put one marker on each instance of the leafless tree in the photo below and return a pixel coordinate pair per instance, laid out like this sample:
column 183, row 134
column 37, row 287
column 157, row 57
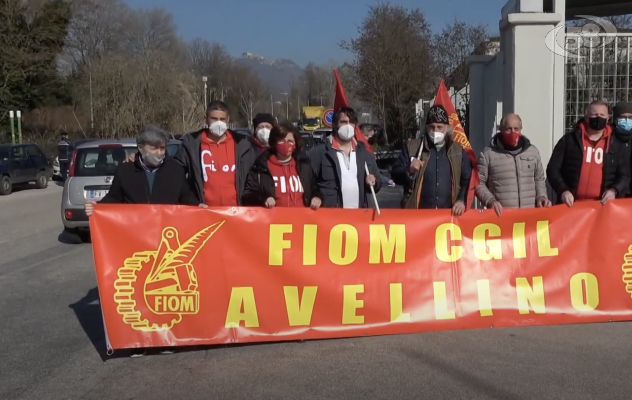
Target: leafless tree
column 248, row 91
column 94, row 32
column 213, row 61
column 453, row 45
column 393, row 64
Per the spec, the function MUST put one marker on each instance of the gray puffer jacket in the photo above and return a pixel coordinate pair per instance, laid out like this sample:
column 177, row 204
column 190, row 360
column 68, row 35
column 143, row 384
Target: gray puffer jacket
column 515, row 178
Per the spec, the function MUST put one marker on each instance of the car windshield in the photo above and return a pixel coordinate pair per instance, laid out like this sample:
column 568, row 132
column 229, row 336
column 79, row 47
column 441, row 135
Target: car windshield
column 310, row 121
column 4, row 154
column 100, row 161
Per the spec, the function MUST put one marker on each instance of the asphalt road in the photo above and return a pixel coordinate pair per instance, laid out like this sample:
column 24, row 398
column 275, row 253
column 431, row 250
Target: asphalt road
column 52, row 344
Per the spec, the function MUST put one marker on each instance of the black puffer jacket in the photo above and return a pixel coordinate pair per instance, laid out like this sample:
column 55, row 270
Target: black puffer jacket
column 566, row 161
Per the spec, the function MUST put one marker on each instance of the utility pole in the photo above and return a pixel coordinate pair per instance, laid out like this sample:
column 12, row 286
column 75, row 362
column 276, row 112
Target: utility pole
column 11, row 116
column 205, row 79
column 19, row 115
column 271, row 105
column 91, row 104
column 287, row 105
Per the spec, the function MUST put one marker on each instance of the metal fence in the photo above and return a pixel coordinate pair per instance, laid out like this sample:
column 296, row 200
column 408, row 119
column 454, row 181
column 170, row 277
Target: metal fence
column 597, row 68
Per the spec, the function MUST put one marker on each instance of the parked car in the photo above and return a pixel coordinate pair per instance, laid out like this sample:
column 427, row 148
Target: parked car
column 322, row 133
column 243, row 131
column 90, row 176
column 22, row 163
column 309, row 141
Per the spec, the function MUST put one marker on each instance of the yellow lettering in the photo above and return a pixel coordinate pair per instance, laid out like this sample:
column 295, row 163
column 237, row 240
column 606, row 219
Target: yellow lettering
column 388, row 243
column 173, row 303
column 484, row 249
column 584, row 284
column 441, row 242
column 484, row 298
column 519, row 240
column 348, row 235
column 528, row 295
column 351, row 304
column 299, row 312
column 397, row 304
column 157, row 303
column 309, row 244
column 441, row 302
column 278, row 243
column 242, row 296
column 187, row 304
column 544, row 240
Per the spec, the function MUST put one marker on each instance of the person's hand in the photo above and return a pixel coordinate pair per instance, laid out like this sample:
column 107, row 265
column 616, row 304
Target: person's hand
column 415, row 165
column 543, row 202
column 315, row 203
column 391, row 183
column 270, row 203
column 498, row 208
column 130, row 158
column 608, row 195
column 458, row 208
column 370, row 180
column 202, row 205
column 89, row 207
column 568, row 198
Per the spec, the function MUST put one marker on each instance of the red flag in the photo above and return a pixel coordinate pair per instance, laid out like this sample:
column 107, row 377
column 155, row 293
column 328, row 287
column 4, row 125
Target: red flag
column 341, row 101
column 443, row 99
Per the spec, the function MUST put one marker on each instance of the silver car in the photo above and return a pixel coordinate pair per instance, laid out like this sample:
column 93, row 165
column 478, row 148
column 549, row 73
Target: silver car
column 90, row 175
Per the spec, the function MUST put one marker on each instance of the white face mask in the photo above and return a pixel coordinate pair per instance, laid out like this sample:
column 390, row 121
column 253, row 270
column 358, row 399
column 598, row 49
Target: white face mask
column 263, row 135
column 346, row 132
column 218, row 128
column 437, row 137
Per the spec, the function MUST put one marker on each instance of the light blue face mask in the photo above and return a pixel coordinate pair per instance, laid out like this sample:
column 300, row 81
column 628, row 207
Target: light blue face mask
column 624, row 124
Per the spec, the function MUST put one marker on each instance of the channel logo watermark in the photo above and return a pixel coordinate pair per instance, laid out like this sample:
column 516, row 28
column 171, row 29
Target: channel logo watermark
column 572, row 41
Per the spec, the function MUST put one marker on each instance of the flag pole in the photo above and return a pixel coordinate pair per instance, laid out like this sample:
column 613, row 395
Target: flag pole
column 377, row 206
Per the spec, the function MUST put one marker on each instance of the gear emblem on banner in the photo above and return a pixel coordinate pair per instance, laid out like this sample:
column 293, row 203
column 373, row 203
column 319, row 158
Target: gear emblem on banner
column 627, row 270
column 154, row 289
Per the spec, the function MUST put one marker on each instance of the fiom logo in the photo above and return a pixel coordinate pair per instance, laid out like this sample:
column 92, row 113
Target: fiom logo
column 569, row 41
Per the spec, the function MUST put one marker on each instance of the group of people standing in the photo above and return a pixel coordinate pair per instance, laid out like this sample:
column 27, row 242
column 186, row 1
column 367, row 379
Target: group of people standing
column 216, row 167
column 590, row 162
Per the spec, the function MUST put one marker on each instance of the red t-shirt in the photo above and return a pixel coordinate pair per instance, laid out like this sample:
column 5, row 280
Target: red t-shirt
column 218, row 171
column 288, row 190
column 591, row 176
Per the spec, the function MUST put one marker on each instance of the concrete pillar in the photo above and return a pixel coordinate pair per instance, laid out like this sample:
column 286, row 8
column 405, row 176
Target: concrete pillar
column 479, row 82
column 530, row 78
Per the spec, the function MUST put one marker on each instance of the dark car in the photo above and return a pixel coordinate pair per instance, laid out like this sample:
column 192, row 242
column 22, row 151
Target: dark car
column 243, row 131
column 309, row 141
column 22, row 163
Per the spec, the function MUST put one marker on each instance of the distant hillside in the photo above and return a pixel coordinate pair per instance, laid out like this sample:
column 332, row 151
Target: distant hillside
column 277, row 73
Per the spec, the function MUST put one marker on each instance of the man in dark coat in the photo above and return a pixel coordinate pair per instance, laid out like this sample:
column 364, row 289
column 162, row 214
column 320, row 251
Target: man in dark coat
column 434, row 170
column 339, row 165
column 589, row 162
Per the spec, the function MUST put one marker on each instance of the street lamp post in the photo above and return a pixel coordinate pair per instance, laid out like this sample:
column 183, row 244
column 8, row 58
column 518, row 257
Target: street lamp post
column 205, row 79
column 287, row 105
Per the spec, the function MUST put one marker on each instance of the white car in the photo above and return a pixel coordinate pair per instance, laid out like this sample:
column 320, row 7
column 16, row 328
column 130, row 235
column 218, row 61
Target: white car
column 56, row 169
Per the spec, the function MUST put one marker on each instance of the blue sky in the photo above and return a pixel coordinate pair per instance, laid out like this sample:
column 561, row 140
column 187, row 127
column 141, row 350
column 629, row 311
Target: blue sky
column 303, row 30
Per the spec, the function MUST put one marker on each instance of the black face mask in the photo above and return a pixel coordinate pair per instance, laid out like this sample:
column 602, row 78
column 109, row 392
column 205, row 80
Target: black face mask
column 597, row 123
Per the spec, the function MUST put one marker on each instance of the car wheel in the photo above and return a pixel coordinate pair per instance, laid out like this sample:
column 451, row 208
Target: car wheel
column 5, row 186
column 73, row 235
column 42, row 181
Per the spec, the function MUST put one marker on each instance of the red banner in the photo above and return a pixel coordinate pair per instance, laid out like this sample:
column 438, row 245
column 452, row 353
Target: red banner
column 175, row 275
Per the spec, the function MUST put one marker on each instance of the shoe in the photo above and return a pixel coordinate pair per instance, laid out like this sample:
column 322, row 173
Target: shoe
column 136, row 353
column 167, row 350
